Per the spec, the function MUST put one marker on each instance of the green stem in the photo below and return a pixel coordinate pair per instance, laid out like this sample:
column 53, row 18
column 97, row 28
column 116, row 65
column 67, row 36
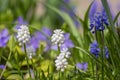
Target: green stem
column 5, row 65
column 97, row 66
column 92, row 68
column 27, row 60
column 59, row 75
column 102, row 54
column 33, row 69
column 20, row 73
column 59, row 49
column 97, row 69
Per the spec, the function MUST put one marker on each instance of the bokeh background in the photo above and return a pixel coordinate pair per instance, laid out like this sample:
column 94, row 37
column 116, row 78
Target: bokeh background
column 35, row 11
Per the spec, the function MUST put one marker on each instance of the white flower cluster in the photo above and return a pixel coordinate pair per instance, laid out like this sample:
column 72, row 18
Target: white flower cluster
column 30, row 52
column 58, row 37
column 23, row 35
column 61, row 61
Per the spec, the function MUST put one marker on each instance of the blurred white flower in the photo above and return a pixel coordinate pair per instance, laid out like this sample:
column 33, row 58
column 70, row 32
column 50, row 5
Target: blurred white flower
column 65, row 52
column 30, row 52
column 58, row 37
column 61, row 61
column 23, row 35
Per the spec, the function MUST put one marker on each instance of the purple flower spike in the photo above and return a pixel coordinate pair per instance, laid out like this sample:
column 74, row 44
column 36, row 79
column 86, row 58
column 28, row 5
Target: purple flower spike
column 82, row 66
column 2, row 66
column 98, row 18
column 94, row 48
column 4, row 37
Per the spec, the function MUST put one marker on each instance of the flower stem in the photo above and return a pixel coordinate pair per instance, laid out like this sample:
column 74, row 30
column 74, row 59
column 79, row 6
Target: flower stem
column 102, row 55
column 92, row 63
column 27, row 60
column 33, row 69
column 97, row 66
column 97, row 69
column 19, row 67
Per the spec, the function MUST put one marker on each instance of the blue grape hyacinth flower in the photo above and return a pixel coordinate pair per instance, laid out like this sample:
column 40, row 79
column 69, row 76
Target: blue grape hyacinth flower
column 83, row 66
column 94, row 49
column 98, row 21
column 4, row 37
column 98, row 17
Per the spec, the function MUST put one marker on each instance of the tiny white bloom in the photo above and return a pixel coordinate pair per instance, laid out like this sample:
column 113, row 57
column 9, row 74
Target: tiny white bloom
column 65, row 52
column 23, row 35
column 58, row 37
column 30, row 52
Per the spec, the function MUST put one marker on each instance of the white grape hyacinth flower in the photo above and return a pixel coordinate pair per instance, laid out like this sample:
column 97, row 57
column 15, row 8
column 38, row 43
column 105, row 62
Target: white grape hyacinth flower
column 23, row 35
column 65, row 52
column 30, row 52
column 58, row 37
column 61, row 61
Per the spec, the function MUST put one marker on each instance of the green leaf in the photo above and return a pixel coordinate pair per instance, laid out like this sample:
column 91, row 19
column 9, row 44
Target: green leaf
column 3, row 5
column 11, row 43
column 105, row 4
column 14, row 77
column 43, row 75
column 116, row 17
column 112, row 28
column 86, row 18
column 81, row 21
column 86, row 31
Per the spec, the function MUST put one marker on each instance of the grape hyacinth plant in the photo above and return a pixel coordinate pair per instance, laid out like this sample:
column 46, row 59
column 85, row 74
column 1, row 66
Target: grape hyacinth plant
column 61, row 61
